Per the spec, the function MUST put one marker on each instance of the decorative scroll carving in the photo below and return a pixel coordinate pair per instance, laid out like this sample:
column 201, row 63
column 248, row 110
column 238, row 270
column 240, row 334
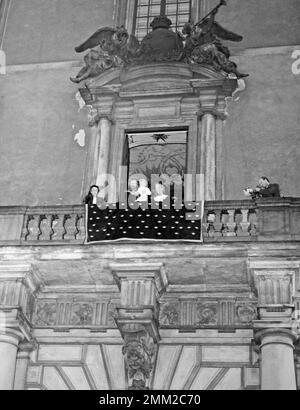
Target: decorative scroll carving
column 221, row 314
column 207, row 314
column 82, row 314
column 45, row 314
column 139, row 352
column 246, row 313
column 69, row 314
column 169, row 314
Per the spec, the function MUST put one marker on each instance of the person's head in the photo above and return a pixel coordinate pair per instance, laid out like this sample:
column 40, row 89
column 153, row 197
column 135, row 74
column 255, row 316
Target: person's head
column 143, row 183
column 263, row 182
column 94, row 190
column 133, row 184
column 159, row 188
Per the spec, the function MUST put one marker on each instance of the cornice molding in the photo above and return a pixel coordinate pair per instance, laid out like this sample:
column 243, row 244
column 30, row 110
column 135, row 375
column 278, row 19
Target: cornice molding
column 68, row 65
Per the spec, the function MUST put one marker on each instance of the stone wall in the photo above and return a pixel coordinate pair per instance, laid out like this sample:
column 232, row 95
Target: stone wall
column 262, row 131
column 40, row 163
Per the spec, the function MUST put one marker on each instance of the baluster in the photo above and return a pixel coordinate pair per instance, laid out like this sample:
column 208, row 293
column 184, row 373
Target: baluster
column 31, row 229
column 243, row 223
column 211, row 217
column 229, row 224
column 70, row 227
column 253, row 223
column 58, row 229
column 45, row 228
column 205, row 224
column 218, row 224
column 80, row 227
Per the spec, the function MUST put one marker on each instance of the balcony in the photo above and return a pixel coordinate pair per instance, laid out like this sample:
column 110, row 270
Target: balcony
column 223, row 221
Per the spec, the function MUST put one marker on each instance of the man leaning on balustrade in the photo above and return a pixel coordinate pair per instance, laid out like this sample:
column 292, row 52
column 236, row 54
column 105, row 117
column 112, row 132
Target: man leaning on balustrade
column 264, row 189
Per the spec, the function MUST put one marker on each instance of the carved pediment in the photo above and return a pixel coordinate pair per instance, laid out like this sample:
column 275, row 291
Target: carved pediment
column 155, row 79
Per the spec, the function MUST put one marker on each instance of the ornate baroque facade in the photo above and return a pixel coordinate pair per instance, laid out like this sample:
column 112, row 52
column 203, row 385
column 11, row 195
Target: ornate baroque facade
column 218, row 314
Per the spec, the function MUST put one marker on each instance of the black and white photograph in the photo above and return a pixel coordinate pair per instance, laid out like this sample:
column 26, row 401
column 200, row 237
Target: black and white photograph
column 149, row 198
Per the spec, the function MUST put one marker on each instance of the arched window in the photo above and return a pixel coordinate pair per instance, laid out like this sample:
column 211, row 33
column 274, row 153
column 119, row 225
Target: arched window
column 179, row 11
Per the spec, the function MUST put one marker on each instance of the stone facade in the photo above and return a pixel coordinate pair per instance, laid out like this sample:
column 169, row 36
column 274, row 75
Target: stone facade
column 214, row 315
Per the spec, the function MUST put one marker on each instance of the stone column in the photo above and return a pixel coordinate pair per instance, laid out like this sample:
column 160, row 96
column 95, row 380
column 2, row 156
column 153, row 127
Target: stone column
column 99, row 145
column 137, row 318
column 212, row 94
column 209, row 139
column 9, row 342
column 91, row 167
column 23, row 358
column 276, row 330
column 18, row 286
column 104, row 131
column 277, row 359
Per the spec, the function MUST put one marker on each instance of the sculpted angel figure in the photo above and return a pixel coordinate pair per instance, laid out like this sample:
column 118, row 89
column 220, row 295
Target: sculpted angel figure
column 203, row 43
column 108, row 48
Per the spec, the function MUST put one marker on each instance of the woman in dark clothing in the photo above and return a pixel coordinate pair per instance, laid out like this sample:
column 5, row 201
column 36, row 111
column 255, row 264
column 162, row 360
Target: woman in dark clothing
column 91, row 198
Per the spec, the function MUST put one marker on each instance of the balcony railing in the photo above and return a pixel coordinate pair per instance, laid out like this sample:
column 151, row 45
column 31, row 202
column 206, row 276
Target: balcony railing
column 223, row 221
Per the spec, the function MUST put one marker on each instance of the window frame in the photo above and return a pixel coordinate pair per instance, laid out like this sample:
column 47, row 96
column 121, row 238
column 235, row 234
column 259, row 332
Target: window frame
column 148, row 14
column 125, row 12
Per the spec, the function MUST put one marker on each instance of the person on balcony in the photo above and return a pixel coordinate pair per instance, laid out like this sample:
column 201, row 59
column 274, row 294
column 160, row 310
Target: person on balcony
column 143, row 191
column 160, row 192
column 264, row 189
column 92, row 196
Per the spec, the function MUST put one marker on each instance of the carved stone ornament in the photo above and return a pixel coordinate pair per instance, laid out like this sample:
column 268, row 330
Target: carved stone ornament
column 207, row 314
column 198, row 43
column 139, row 352
column 169, row 314
column 246, row 313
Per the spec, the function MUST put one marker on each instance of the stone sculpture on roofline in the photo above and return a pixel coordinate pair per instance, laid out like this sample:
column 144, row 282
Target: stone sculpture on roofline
column 198, row 43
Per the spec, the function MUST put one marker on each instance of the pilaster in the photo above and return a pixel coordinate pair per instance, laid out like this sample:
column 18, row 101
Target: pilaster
column 18, row 287
column 276, row 331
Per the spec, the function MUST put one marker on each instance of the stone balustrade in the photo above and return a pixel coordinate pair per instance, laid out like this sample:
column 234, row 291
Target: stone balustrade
column 223, row 221
column 42, row 225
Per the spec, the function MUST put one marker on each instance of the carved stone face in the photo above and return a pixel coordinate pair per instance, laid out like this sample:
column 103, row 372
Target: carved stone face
column 137, row 360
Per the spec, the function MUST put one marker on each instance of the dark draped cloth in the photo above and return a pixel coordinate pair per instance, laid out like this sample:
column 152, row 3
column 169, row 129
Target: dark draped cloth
column 163, row 223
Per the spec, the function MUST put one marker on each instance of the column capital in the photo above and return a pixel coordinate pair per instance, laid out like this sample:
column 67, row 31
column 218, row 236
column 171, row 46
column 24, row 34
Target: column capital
column 274, row 283
column 100, row 110
column 19, row 284
column 13, row 323
column 140, row 271
column 219, row 115
column 276, row 336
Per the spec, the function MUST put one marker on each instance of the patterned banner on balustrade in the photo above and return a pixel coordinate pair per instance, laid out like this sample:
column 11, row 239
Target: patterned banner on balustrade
column 162, row 222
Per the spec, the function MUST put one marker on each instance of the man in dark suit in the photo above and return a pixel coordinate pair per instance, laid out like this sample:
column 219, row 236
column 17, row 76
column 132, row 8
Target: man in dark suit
column 264, row 190
column 267, row 190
